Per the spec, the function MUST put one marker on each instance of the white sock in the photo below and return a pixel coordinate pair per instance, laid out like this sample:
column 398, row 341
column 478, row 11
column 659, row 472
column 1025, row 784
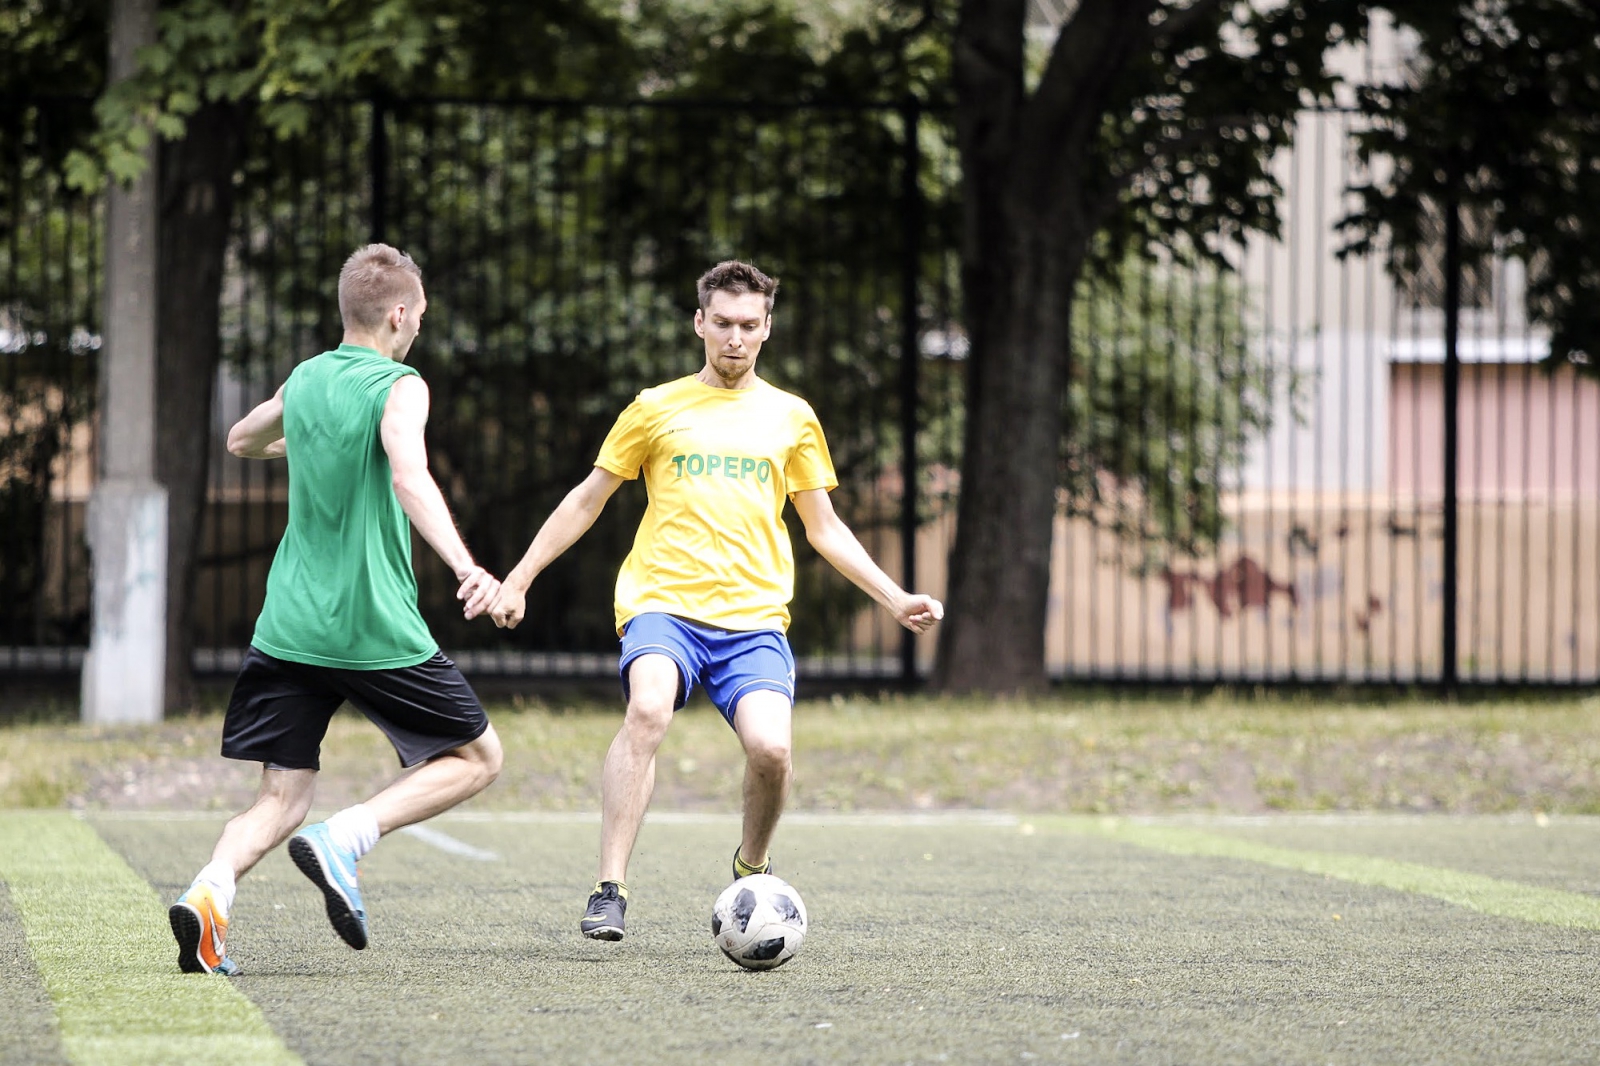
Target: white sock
column 219, row 876
column 354, row 829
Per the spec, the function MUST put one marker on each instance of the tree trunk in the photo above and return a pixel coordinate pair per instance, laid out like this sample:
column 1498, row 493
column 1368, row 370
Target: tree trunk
column 993, row 639
column 1032, row 195
column 196, row 210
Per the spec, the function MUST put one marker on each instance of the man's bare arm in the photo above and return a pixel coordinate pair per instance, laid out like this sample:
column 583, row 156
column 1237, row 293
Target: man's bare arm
column 836, row 543
column 259, row 434
column 570, row 520
column 405, row 418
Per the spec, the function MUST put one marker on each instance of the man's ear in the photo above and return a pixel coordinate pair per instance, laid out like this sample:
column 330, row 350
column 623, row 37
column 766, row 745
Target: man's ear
column 397, row 315
column 699, row 323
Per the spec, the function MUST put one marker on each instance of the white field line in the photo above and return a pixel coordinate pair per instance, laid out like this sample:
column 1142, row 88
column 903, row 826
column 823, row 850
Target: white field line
column 446, row 842
column 1358, row 818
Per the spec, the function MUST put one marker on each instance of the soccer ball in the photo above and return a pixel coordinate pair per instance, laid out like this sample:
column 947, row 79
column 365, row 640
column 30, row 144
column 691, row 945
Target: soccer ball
column 759, row 921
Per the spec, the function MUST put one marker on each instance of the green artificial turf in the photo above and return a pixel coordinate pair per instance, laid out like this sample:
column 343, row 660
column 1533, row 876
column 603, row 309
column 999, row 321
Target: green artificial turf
column 98, row 937
column 972, row 939
column 1487, row 895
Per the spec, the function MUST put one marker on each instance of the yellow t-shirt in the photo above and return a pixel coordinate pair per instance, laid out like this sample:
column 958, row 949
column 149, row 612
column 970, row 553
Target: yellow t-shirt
column 718, row 465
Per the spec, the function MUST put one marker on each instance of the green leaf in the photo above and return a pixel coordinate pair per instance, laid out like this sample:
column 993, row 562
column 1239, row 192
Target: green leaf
column 83, row 171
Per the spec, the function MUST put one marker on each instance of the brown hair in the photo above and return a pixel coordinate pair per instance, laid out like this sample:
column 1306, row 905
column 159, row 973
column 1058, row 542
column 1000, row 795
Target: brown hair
column 738, row 278
column 372, row 281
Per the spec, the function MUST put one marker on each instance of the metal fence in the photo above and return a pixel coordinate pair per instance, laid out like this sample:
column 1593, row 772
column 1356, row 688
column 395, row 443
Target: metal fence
column 1252, row 480
column 1313, row 388
column 50, row 306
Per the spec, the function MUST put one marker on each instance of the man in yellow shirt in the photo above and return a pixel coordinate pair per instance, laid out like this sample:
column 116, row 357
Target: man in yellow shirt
column 703, row 596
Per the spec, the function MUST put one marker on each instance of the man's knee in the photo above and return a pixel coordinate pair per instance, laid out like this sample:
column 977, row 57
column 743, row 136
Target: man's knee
column 284, row 798
column 493, row 757
column 654, row 683
column 487, row 756
column 650, row 709
column 769, row 756
column 762, row 722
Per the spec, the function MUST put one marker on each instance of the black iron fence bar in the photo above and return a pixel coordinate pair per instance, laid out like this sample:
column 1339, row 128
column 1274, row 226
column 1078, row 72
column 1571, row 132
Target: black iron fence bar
column 910, row 359
column 1452, row 435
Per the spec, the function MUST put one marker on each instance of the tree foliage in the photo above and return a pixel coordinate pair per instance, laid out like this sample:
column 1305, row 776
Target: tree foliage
column 278, row 56
column 1167, row 390
column 52, row 47
column 1184, row 148
column 1498, row 112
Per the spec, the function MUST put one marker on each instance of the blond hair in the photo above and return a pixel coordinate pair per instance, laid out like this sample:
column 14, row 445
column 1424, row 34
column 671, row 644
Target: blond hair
column 372, row 281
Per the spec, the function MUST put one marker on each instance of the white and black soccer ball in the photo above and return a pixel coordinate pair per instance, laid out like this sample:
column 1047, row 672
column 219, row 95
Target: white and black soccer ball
column 759, row 921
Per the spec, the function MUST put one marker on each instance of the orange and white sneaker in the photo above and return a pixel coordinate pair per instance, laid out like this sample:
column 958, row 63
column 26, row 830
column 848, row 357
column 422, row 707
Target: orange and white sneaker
column 200, row 928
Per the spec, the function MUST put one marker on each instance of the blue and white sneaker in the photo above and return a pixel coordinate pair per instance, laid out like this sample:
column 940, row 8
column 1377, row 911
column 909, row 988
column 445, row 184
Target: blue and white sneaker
column 332, row 869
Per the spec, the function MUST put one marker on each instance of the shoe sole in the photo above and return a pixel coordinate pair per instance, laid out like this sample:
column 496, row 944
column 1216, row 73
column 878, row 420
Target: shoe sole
column 604, row 932
column 343, row 919
column 187, row 928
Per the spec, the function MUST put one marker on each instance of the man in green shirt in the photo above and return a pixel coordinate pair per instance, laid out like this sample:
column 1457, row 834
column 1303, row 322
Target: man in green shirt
column 340, row 620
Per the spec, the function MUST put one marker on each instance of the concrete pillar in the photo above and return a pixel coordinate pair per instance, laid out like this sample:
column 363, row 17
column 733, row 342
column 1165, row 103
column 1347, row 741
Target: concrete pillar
column 123, row 673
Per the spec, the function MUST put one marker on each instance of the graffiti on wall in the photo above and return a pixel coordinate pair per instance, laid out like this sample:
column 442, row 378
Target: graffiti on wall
column 1243, row 583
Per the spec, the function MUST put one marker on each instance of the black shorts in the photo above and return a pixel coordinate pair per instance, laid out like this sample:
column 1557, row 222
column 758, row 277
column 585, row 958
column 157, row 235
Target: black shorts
column 280, row 710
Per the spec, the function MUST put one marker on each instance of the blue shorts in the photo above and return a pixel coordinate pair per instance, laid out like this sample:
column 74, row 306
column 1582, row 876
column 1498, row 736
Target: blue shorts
column 727, row 662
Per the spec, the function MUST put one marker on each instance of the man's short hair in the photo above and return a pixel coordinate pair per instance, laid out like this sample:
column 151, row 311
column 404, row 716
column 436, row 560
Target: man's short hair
column 372, row 281
column 738, row 278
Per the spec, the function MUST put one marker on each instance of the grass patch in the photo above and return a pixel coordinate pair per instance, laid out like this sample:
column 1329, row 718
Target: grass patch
column 1486, row 895
column 1146, row 754
column 98, row 937
column 31, row 789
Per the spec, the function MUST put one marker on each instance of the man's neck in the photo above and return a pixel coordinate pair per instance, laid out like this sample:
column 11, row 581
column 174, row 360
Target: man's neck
column 707, row 376
column 366, row 340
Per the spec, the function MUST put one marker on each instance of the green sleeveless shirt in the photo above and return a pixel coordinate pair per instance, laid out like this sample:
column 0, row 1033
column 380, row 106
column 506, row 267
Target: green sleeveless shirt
column 341, row 591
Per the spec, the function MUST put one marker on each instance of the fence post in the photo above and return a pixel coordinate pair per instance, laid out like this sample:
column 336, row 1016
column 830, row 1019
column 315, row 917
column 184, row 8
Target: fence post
column 1452, row 387
column 910, row 356
column 378, row 165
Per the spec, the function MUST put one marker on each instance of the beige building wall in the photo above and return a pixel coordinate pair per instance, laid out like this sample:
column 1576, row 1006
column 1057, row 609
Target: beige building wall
column 1338, row 588
column 1313, row 587
column 1525, row 432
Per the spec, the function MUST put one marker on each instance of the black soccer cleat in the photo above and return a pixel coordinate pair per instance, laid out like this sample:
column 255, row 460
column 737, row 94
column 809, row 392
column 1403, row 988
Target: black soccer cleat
column 744, row 869
column 603, row 919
